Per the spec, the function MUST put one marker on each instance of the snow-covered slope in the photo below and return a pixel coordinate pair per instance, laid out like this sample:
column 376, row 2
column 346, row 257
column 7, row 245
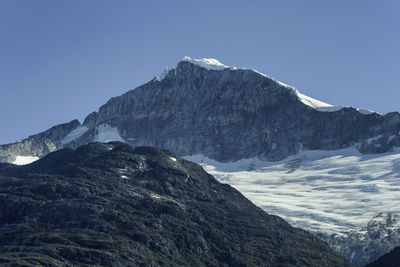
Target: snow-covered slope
column 23, row 160
column 208, row 63
column 325, row 107
column 347, row 198
column 322, row 191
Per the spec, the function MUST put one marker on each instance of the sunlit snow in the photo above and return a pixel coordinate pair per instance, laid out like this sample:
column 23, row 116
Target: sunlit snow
column 23, row 160
column 207, row 63
column 327, row 191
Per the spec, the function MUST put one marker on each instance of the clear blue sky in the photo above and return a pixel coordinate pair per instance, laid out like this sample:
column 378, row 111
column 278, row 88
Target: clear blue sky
column 60, row 60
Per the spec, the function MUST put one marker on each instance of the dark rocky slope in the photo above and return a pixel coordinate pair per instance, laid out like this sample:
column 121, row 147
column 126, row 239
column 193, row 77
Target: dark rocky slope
column 392, row 259
column 226, row 114
column 114, row 205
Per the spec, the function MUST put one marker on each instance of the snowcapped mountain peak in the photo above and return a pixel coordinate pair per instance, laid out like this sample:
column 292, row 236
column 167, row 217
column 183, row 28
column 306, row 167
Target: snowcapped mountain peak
column 214, row 64
column 207, row 63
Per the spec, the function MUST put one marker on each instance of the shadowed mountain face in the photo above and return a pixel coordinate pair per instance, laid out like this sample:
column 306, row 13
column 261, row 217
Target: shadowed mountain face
column 223, row 113
column 114, row 205
column 392, row 259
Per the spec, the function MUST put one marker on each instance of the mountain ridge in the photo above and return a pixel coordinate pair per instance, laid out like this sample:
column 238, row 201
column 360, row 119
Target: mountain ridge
column 109, row 204
column 223, row 105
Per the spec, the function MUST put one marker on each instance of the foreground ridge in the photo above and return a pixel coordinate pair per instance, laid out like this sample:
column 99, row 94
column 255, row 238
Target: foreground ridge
column 112, row 205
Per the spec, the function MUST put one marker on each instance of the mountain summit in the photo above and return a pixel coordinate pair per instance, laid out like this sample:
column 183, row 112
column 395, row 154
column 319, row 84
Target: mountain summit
column 202, row 106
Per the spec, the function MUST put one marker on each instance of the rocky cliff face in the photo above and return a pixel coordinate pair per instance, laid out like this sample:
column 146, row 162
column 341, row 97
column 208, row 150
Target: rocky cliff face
column 366, row 245
column 38, row 145
column 114, row 205
column 226, row 114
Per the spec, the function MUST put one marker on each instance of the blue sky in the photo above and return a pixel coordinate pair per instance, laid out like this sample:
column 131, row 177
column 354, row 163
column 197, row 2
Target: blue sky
column 60, row 60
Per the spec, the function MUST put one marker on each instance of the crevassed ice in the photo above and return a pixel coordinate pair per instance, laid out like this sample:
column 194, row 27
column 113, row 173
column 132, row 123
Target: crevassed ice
column 321, row 191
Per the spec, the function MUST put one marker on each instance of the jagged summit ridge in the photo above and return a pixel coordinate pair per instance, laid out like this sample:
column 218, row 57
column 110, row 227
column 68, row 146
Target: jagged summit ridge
column 215, row 64
column 202, row 106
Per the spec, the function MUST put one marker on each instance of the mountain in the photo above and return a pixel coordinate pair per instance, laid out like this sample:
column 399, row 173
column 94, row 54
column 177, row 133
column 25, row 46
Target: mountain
column 327, row 169
column 109, row 204
column 392, row 259
column 224, row 113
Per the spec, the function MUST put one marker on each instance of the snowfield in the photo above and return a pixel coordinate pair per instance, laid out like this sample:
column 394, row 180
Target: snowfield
column 24, row 160
column 321, row 191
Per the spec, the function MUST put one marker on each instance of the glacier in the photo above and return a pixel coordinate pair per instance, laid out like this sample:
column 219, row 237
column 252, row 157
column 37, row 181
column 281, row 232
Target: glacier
column 321, row 191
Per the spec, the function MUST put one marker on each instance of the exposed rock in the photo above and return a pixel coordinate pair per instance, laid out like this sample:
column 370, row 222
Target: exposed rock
column 114, row 205
column 226, row 114
column 38, row 145
column 378, row 237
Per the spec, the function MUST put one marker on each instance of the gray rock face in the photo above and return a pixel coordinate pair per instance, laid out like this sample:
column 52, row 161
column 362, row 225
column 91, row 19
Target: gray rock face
column 228, row 114
column 379, row 236
column 38, row 145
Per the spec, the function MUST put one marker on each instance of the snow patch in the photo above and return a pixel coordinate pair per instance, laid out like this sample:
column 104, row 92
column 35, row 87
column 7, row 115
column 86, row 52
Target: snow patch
column 24, row 160
column 172, row 158
column 163, row 74
column 74, row 134
column 155, row 196
column 314, row 103
column 365, row 111
column 373, row 139
column 325, row 107
column 207, row 63
column 106, row 133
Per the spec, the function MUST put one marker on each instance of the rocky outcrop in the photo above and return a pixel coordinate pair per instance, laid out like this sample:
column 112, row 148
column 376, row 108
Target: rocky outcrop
column 38, row 145
column 114, row 205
